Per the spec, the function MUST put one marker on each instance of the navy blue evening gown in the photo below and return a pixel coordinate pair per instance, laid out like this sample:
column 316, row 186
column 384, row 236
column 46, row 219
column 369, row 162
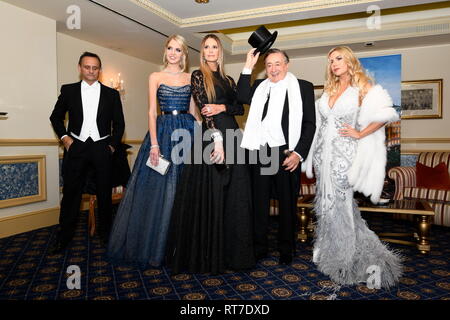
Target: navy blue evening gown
column 139, row 231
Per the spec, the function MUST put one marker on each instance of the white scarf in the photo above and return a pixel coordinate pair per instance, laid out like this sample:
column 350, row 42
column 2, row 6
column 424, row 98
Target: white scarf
column 252, row 132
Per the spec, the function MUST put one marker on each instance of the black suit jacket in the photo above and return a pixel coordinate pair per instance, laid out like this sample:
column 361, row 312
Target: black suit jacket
column 245, row 94
column 110, row 119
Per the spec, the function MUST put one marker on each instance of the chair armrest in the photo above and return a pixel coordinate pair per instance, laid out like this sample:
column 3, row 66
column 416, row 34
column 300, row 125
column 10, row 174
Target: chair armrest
column 118, row 189
column 403, row 177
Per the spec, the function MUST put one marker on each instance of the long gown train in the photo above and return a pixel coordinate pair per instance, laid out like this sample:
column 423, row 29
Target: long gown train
column 345, row 248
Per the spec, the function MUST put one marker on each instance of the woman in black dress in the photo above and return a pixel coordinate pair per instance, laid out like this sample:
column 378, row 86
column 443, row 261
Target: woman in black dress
column 211, row 228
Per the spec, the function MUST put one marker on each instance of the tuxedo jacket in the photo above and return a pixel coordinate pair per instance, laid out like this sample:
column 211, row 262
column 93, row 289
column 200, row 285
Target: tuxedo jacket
column 245, row 93
column 110, row 119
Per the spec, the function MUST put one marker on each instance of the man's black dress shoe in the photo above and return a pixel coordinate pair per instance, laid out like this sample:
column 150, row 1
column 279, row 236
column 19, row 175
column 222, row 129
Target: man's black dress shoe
column 103, row 241
column 57, row 247
column 285, row 259
column 103, row 238
column 260, row 256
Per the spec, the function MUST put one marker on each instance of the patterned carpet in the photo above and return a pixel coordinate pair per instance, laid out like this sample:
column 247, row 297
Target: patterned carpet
column 27, row 272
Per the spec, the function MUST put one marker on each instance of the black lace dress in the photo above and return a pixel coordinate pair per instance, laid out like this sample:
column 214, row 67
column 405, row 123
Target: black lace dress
column 211, row 229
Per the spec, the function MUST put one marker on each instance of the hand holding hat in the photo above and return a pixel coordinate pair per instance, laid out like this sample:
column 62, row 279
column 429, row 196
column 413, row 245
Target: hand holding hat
column 252, row 59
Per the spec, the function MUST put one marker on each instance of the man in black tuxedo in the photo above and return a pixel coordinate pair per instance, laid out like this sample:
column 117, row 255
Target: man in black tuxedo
column 95, row 129
column 281, row 125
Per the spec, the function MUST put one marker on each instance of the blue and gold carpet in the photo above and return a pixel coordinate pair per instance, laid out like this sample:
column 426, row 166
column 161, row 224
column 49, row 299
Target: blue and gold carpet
column 28, row 272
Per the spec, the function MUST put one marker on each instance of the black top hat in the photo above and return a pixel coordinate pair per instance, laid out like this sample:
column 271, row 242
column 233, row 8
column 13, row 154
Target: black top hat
column 262, row 39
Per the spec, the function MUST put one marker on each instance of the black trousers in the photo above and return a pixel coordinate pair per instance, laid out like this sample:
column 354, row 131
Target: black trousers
column 285, row 186
column 77, row 161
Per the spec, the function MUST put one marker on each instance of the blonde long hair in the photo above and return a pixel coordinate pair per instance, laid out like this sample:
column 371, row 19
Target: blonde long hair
column 208, row 78
column 358, row 76
column 184, row 48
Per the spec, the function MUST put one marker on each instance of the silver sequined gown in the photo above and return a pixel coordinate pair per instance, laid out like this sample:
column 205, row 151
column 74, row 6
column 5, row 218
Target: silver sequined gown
column 344, row 247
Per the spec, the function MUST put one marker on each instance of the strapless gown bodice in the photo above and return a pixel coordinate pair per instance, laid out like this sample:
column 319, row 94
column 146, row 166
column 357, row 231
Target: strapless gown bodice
column 174, row 97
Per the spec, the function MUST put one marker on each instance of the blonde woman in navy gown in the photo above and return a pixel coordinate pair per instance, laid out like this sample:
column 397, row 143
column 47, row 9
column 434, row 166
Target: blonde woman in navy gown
column 140, row 228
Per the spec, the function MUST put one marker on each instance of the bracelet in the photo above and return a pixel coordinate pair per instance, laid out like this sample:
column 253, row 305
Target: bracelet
column 216, row 136
column 154, row 146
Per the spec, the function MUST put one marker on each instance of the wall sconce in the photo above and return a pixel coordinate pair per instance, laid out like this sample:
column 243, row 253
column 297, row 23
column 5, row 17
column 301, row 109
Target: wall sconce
column 117, row 84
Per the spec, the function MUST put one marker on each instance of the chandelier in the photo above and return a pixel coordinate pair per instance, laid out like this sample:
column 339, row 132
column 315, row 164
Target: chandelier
column 117, row 84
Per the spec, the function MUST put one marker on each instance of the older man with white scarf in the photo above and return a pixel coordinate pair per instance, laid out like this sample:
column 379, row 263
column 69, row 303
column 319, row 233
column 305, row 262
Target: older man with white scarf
column 281, row 125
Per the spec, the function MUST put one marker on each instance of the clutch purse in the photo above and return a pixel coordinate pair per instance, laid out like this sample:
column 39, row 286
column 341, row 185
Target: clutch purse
column 162, row 167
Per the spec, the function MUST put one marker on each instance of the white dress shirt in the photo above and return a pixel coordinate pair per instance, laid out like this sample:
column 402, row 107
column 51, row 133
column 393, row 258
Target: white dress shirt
column 272, row 131
column 90, row 97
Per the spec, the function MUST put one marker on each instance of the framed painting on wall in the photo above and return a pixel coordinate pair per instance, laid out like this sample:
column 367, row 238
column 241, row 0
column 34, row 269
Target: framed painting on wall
column 422, row 99
column 22, row 180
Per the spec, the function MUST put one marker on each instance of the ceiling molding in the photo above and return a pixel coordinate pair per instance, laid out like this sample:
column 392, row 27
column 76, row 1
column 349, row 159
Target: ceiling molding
column 302, row 6
column 420, row 8
column 160, row 11
column 355, row 34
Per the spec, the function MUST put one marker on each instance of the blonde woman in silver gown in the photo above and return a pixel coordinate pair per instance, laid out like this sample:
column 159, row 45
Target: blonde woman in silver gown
column 349, row 154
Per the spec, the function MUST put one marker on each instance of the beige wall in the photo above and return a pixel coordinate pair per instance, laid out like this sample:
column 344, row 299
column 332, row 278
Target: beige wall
column 28, row 93
column 28, row 81
column 419, row 63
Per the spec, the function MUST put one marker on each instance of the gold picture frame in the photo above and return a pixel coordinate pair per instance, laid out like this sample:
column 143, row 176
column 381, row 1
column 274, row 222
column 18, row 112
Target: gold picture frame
column 42, row 184
column 318, row 91
column 422, row 99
